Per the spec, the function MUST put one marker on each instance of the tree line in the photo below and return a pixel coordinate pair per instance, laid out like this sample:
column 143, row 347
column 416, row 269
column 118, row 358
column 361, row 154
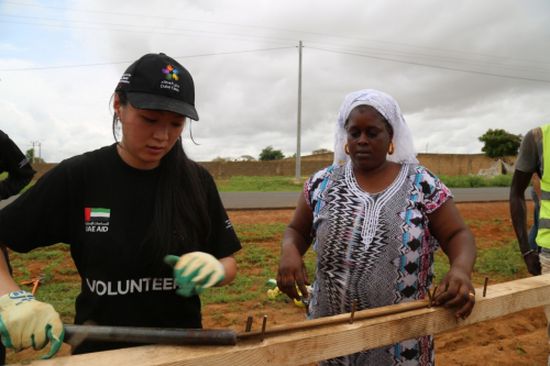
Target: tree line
column 497, row 143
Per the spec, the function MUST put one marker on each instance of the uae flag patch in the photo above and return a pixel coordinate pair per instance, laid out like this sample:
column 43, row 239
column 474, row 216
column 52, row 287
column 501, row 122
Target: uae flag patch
column 96, row 214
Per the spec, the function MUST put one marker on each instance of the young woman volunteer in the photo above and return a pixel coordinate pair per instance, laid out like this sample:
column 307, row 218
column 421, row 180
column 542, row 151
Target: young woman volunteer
column 146, row 227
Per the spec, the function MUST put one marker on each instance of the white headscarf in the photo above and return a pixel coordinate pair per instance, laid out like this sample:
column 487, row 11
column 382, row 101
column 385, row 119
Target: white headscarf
column 387, row 106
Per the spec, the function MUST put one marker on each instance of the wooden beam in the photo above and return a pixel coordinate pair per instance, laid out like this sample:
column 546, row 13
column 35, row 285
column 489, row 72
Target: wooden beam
column 299, row 347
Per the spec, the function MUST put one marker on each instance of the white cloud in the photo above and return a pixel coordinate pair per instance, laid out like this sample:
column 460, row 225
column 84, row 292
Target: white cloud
column 247, row 101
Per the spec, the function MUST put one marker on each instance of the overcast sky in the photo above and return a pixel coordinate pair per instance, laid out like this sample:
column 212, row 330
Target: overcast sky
column 457, row 68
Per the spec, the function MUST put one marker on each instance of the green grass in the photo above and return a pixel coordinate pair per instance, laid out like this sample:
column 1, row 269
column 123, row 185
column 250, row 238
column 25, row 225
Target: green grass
column 260, row 184
column 503, row 262
column 288, row 184
column 258, row 259
column 259, row 232
column 476, row 181
column 254, row 286
column 60, row 294
column 500, row 263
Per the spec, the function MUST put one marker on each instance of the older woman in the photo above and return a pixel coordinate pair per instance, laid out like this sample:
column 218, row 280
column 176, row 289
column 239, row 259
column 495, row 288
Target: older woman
column 375, row 218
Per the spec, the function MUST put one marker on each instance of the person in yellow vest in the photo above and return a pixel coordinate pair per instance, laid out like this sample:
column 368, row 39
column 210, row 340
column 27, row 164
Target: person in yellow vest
column 533, row 159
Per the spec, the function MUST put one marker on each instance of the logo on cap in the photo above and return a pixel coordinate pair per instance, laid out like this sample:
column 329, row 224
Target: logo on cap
column 170, row 72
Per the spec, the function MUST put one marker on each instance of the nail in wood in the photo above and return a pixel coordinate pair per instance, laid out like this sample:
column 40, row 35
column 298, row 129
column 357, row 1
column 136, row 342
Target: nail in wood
column 485, row 286
column 432, row 301
column 430, row 297
column 353, row 307
column 248, row 327
column 264, row 323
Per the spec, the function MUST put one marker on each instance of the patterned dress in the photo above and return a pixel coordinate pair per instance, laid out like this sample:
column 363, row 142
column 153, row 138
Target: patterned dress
column 374, row 248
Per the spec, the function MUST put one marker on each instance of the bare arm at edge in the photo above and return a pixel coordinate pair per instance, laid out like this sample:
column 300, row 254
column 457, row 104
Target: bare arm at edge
column 457, row 241
column 230, row 267
column 518, row 213
column 296, row 241
column 7, row 284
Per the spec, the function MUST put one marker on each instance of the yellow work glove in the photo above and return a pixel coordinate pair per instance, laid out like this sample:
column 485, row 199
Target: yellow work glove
column 273, row 293
column 302, row 302
column 195, row 271
column 26, row 322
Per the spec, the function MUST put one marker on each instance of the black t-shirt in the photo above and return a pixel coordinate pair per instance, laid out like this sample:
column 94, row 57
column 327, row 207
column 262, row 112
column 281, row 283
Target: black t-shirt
column 103, row 209
column 16, row 164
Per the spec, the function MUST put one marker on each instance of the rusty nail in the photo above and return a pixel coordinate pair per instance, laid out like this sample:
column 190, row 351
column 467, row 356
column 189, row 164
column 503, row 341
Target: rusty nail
column 433, row 296
column 36, row 283
column 353, row 307
column 264, row 323
column 485, row 286
column 248, row 326
column 430, row 299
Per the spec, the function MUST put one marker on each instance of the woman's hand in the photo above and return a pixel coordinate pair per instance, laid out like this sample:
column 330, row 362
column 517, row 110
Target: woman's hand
column 457, row 241
column 26, row 322
column 456, row 291
column 195, row 271
column 292, row 274
column 296, row 240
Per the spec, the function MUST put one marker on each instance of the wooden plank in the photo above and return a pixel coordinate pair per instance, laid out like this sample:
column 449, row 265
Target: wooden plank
column 338, row 319
column 311, row 345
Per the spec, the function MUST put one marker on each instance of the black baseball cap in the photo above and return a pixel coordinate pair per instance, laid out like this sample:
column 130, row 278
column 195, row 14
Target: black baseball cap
column 157, row 81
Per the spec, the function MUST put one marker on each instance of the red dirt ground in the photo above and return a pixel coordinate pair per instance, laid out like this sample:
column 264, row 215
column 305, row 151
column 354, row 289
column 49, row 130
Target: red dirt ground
column 518, row 339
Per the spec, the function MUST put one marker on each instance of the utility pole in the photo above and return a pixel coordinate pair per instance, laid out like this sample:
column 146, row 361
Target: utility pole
column 32, row 158
column 36, row 143
column 299, row 122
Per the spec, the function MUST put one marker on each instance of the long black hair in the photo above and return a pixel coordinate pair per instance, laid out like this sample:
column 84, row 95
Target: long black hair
column 180, row 220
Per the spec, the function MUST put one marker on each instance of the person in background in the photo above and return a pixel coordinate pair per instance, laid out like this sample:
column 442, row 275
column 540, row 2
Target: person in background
column 375, row 218
column 535, row 196
column 532, row 164
column 145, row 224
column 18, row 167
column 20, row 173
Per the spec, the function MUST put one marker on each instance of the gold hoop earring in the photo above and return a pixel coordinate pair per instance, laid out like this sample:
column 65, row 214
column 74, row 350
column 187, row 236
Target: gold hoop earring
column 346, row 149
column 391, row 149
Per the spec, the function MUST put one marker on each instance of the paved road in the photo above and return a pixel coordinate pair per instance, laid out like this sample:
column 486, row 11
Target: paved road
column 248, row 200
column 267, row 200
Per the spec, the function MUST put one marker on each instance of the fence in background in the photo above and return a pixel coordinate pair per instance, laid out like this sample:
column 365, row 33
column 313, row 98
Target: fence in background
column 440, row 164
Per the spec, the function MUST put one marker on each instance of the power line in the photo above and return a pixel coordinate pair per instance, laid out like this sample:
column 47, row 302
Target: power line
column 150, row 31
column 279, row 48
column 433, row 66
column 362, row 39
column 452, row 59
column 141, row 16
column 127, row 62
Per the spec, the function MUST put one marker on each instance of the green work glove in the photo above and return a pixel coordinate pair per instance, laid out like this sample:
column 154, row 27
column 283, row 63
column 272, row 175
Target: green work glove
column 26, row 322
column 195, row 271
